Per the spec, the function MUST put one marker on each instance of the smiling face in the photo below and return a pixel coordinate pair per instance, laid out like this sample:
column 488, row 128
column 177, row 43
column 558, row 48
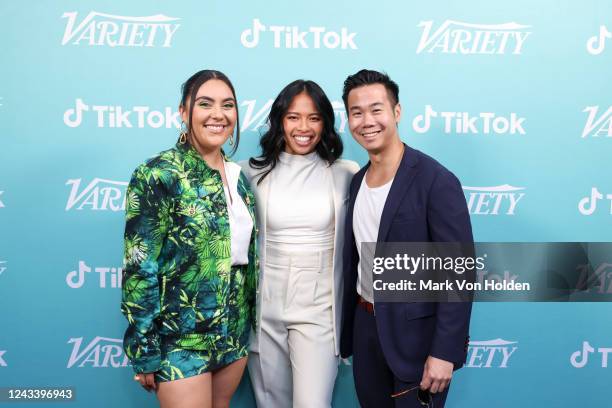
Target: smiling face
column 302, row 125
column 214, row 115
column 372, row 118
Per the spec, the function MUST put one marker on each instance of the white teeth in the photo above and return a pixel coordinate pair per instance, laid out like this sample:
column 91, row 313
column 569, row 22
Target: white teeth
column 215, row 128
column 370, row 134
column 302, row 139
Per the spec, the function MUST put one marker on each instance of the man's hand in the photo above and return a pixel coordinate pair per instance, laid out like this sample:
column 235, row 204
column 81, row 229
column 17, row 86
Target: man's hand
column 437, row 375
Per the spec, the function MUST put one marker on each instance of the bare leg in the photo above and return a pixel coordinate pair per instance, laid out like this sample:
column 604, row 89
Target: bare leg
column 225, row 381
column 191, row 392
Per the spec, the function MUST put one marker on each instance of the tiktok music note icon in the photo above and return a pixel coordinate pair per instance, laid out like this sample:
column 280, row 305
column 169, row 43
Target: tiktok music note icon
column 597, row 43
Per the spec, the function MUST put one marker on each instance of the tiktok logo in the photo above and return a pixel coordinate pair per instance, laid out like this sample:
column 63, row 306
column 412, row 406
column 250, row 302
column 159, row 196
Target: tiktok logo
column 2, row 362
column 116, row 116
column 2, row 267
column 1, row 203
column 74, row 117
column 588, row 205
column 250, row 37
column 596, row 44
column 76, row 279
column 580, row 358
column 483, row 123
column 296, row 37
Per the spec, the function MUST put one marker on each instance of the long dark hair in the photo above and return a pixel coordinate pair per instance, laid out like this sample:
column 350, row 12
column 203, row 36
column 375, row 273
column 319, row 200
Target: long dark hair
column 272, row 142
column 190, row 89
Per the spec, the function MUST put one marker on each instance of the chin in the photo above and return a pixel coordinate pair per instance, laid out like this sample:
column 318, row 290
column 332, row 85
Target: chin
column 302, row 149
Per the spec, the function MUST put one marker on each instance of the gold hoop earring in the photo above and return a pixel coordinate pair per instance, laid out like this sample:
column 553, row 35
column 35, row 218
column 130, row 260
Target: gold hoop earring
column 183, row 134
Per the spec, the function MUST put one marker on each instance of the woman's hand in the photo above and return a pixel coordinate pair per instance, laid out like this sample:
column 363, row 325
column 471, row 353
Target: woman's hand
column 147, row 380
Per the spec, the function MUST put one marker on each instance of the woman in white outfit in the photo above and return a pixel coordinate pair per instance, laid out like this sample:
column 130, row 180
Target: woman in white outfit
column 301, row 190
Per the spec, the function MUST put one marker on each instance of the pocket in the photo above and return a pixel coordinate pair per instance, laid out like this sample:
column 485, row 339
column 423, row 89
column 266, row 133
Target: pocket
column 169, row 319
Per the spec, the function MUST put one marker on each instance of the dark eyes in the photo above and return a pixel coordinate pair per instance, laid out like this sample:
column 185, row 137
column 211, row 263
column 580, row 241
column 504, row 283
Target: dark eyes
column 207, row 104
column 312, row 118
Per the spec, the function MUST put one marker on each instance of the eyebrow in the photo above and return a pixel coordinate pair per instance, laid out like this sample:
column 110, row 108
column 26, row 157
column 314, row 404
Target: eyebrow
column 208, row 98
column 297, row 113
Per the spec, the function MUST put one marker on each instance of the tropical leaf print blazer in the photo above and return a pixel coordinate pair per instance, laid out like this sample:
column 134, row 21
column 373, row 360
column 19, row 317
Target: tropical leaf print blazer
column 177, row 260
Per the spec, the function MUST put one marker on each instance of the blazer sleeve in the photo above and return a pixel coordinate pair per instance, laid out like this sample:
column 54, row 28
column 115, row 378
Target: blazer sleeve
column 449, row 221
column 147, row 220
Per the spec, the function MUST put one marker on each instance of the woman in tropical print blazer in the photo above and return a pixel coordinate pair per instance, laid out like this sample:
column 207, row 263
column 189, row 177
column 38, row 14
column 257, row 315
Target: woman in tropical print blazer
column 191, row 267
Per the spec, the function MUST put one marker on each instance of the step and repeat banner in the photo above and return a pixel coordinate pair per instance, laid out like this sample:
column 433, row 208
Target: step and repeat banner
column 515, row 97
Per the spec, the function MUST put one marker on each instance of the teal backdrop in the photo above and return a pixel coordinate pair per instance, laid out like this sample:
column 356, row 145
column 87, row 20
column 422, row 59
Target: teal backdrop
column 515, row 97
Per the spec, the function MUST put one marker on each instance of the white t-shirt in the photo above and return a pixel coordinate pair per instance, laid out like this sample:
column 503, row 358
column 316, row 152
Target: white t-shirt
column 241, row 223
column 368, row 210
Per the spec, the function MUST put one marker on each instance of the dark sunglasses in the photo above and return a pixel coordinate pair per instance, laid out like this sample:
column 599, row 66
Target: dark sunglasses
column 423, row 396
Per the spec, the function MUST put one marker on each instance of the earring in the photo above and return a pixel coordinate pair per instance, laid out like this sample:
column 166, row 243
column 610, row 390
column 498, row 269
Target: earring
column 183, row 134
column 231, row 142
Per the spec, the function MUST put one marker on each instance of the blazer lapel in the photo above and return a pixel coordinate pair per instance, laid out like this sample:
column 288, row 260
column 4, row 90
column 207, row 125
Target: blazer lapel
column 401, row 183
column 357, row 179
column 262, row 204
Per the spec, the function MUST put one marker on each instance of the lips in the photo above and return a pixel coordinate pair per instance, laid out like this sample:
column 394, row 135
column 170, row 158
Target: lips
column 215, row 128
column 303, row 140
column 370, row 134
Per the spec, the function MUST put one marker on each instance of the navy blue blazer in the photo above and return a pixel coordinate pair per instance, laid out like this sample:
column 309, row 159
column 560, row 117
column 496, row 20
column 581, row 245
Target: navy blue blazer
column 425, row 204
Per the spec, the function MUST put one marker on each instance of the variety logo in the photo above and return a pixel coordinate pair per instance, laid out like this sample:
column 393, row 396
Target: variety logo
column 2, row 267
column 252, row 120
column 594, row 126
column 1, row 203
column 596, row 44
column 98, row 195
column 296, row 37
column 119, row 31
column 455, row 37
column 490, row 353
column 580, row 358
column 465, row 123
column 595, row 281
column 494, row 200
column 588, row 205
column 2, row 361
column 100, row 352
column 76, row 279
column 114, row 116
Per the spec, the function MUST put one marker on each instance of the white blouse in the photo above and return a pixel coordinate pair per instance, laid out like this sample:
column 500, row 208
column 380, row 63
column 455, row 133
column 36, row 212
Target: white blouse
column 241, row 223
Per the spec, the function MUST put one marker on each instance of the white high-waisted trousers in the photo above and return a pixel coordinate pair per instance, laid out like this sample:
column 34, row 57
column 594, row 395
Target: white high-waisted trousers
column 296, row 365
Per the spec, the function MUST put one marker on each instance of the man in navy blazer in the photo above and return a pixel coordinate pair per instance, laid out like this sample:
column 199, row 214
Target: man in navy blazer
column 404, row 354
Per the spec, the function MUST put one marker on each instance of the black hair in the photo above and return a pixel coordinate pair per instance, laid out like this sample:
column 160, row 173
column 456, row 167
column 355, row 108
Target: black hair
column 272, row 142
column 370, row 77
column 190, row 89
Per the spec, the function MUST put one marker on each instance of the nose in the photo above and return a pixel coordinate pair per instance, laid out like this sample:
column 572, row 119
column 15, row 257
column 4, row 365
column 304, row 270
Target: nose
column 303, row 124
column 368, row 120
column 216, row 112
